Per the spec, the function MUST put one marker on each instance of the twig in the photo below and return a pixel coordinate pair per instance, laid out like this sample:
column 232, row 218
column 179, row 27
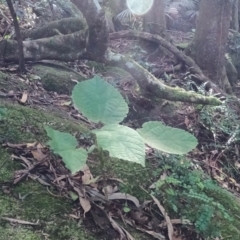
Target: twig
column 28, row 171
column 13, row 220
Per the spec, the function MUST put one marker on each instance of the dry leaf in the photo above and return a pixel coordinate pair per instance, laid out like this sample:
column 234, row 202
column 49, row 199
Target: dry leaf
column 86, row 205
column 167, row 218
column 122, row 231
column 158, row 236
column 38, row 155
column 124, row 196
column 90, row 181
column 186, row 121
column 87, row 174
column 24, row 97
column 31, row 144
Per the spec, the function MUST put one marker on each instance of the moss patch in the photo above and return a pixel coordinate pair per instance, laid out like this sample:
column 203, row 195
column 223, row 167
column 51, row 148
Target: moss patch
column 57, row 79
column 30, row 201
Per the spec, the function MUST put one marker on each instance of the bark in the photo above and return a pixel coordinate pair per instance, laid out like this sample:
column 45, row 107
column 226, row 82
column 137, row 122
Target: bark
column 62, row 47
column 63, row 26
column 97, row 43
column 92, row 45
column 209, row 44
column 19, row 37
column 194, row 68
column 153, row 88
column 154, row 21
column 234, row 21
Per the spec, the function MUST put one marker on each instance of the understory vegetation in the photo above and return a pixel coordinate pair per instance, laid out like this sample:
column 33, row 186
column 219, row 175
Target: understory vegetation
column 112, row 127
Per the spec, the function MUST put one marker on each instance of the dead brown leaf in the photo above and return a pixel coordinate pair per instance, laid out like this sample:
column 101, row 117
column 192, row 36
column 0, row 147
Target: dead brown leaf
column 87, row 176
column 38, row 155
column 24, row 97
column 167, row 218
column 124, row 196
column 85, row 203
column 152, row 233
column 122, row 231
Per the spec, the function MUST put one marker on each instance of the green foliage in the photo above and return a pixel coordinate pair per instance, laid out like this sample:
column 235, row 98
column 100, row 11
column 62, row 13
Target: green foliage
column 167, row 139
column 3, row 113
column 101, row 102
column 186, row 194
column 220, row 126
column 121, row 142
column 64, row 144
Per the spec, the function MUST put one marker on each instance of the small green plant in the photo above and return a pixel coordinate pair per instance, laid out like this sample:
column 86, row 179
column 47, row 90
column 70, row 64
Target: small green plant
column 190, row 194
column 100, row 102
column 3, row 113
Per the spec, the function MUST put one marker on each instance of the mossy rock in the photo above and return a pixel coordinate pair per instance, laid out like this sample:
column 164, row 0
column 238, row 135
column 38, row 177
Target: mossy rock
column 56, row 78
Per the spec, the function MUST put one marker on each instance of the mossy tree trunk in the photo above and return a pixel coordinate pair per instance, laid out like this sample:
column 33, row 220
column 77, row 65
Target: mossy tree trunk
column 209, row 43
column 154, row 21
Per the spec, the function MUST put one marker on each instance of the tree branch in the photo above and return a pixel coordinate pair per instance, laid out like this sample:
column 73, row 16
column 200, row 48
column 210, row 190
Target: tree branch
column 152, row 87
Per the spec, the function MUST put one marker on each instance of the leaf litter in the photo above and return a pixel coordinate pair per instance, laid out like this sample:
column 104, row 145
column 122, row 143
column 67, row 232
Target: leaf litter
column 107, row 211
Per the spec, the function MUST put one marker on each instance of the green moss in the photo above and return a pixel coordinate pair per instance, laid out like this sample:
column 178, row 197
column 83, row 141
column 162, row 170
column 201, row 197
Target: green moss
column 229, row 230
column 17, row 233
column 29, row 201
column 57, row 79
column 133, row 175
column 24, row 124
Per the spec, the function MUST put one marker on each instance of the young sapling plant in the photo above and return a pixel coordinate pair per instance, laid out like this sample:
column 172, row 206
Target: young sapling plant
column 101, row 103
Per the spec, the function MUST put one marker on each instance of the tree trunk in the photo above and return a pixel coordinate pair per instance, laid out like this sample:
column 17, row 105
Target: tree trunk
column 234, row 21
column 154, row 21
column 209, row 43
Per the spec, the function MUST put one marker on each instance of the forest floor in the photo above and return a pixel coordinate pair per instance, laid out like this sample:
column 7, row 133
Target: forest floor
column 36, row 197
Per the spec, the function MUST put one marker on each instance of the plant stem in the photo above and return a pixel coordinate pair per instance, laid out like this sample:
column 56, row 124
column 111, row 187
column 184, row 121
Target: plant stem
column 102, row 165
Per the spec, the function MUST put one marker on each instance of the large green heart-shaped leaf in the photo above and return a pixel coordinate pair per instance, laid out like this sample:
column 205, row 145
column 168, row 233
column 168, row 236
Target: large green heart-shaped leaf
column 122, row 142
column 64, row 144
column 167, row 139
column 60, row 141
column 99, row 101
column 74, row 159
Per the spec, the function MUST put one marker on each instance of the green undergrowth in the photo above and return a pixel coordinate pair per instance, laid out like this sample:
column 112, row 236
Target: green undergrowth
column 185, row 193
column 29, row 200
column 24, row 124
column 189, row 193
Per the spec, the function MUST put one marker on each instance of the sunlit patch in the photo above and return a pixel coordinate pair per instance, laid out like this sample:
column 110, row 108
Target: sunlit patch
column 139, row 7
